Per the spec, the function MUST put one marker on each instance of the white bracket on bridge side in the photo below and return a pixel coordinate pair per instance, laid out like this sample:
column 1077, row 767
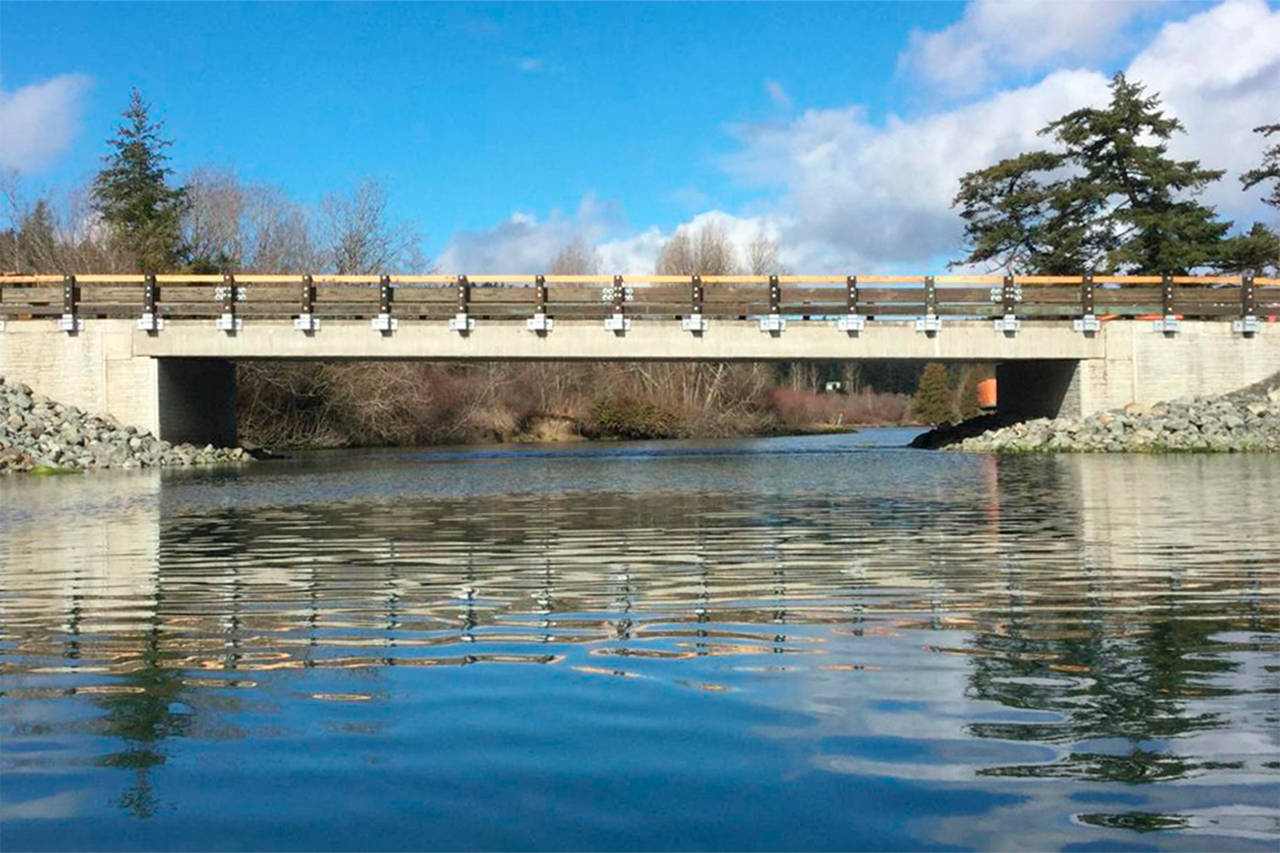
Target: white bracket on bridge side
column 149, row 322
column 384, row 323
column 773, row 324
column 539, row 323
column 1169, row 325
column 70, row 324
column 1088, row 324
column 851, row 323
column 461, row 323
column 1246, row 326
column 930, row 324
column 695, row 323
column 1009, row 324
column 306, row 323
column 617, row 323
column 1, row 326
column 229, row 323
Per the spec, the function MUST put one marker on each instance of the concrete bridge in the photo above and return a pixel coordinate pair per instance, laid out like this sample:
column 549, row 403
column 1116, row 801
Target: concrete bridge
column 158, row 351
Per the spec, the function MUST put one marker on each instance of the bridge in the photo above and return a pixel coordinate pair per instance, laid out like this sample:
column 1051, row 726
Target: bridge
column 158, row 351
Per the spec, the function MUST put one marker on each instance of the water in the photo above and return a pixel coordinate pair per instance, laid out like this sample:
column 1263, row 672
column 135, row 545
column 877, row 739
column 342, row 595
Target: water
column 787, row 643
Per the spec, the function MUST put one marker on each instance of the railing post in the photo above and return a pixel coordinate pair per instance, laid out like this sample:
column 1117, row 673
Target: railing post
column 227, row 295
column 1168, row 323
column 70, row 321
column 1010, row 295
column 774, row 323
column 618, row 322
column 150, row 321
column 1088, row 322
column 1248, row 323
column 852, row 322
column 539, row 322
column 695, row 322
column 384, row 322
column 930, row 323
column 462, row 322
column 307, row 321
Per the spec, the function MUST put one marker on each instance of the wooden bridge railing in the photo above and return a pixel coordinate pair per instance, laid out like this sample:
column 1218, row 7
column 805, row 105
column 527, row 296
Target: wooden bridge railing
column 433, row 297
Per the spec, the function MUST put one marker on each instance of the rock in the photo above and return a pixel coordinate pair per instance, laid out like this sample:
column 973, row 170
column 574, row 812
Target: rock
column 37, row 431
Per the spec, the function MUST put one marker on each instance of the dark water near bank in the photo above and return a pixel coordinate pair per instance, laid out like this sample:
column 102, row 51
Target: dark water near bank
column 773, row 644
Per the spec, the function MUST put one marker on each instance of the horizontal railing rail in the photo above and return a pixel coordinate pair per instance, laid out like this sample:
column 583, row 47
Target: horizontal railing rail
column 849, row 300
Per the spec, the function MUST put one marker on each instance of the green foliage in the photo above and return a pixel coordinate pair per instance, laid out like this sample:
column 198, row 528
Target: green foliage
column 933, row 401
column 132, row 193
column 968, row 402
column 1269, row 170
column 1111, row 199
column 622, row 416
column 1256, row 252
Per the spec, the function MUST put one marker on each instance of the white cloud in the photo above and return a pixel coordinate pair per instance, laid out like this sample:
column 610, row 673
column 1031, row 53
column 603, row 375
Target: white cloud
column 37, row 122
column 882, row 194
column 522, row 242
column 778, row 95
column 531, row 65
column 997, row 35
column 1219, row 73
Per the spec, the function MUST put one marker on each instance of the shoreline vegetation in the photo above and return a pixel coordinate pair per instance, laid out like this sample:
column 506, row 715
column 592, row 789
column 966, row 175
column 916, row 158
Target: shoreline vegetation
column 298, row 406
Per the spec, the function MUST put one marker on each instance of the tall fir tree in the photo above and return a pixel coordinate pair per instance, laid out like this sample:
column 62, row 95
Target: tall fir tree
column 133, row 195
column 1110, row 199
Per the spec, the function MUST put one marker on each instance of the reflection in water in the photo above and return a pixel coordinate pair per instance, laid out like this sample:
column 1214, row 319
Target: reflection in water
column 855, row 647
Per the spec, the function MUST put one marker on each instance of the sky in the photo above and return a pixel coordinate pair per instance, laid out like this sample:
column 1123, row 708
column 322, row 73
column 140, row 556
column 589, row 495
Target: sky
column 504, row 131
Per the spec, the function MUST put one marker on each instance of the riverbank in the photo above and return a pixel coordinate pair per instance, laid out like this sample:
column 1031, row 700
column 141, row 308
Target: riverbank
column 1244, row 421
column 43, row 436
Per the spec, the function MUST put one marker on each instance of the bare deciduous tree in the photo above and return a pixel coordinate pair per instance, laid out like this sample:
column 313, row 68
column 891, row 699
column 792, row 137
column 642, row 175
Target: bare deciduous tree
column 706, row 251
column 212, row 224
column 577, row 258
column 358, row 235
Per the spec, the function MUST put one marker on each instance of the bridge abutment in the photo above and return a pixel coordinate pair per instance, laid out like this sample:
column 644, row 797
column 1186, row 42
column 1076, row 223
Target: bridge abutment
column 178, row 399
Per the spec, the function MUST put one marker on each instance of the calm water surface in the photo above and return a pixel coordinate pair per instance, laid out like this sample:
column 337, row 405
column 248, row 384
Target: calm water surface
column 787, row 643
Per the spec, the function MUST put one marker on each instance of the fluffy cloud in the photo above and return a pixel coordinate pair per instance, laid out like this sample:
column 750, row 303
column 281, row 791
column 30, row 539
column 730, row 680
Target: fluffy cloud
column 849, row 193
column 38, row 121
column 882, row 194
column 1219, row 72
column 523, row 242
column 995, row 36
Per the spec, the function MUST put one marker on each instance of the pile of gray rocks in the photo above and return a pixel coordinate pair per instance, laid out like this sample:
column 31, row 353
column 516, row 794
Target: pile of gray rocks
column 36, row 432
column 1246, row 421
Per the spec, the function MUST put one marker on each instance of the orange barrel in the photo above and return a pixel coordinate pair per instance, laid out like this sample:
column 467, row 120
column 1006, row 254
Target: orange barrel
column 987, row 394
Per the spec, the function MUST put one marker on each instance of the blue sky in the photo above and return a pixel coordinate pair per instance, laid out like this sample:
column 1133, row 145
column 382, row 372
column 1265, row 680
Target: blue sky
column 781, row 118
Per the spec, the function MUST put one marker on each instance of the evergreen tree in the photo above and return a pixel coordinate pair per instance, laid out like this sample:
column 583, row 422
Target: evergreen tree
column 132, row 192
column 1269, row 170
column 968, row 402
column 932, row 403
column 1016, row 221
column 1151, row 223
column 1111, row 199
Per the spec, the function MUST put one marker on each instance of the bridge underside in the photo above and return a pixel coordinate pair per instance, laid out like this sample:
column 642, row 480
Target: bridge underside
column 180, row 381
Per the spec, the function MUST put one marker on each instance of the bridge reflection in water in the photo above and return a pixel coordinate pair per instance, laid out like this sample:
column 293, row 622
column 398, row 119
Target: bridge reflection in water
column 1073, row 618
